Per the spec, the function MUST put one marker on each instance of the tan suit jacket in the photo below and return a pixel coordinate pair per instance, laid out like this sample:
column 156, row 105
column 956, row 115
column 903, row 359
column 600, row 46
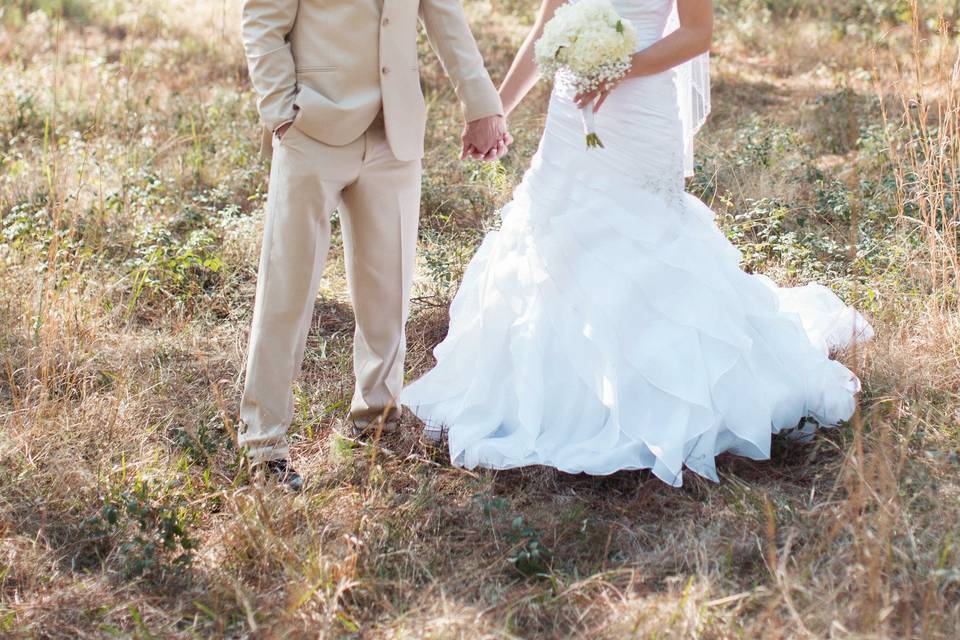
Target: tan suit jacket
column 331, row 65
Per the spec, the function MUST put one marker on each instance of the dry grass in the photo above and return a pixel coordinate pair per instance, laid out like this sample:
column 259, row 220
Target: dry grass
column 130, row 196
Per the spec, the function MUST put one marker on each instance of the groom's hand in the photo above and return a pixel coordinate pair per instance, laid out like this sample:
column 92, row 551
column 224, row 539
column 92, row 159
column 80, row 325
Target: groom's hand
column 485, row 139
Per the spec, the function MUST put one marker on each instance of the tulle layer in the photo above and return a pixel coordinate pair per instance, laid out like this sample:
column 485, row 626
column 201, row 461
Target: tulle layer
column 608, row 326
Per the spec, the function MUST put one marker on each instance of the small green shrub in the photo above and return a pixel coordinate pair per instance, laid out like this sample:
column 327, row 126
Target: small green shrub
column 22, row 116
column 530, row 556
column 148, row 526
column 170, row 268
column 763, row 144
column 202, row 443
column 839, row 117
column 445, row 257
column 527, row 553
column 29, row 228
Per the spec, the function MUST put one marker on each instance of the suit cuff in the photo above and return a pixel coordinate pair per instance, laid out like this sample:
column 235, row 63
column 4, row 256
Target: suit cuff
column 481, row 101
column 278, row 115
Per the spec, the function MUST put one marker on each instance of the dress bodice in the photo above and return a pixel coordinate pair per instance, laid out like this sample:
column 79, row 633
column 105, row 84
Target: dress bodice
column 649, row 17
column 639, row 123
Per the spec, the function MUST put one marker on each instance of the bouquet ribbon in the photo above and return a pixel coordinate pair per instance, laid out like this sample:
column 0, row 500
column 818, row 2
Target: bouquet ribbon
column 589, row 118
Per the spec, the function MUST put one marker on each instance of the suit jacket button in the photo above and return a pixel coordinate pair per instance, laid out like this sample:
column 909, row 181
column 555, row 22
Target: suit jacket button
column 385, row 70
column 386, row 22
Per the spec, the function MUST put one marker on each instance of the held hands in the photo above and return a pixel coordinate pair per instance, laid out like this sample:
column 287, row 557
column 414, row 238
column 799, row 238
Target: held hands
column 486, row 139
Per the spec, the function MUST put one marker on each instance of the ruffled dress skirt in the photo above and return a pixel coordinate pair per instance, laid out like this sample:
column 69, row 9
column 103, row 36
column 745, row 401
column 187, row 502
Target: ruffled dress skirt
column 607, row 325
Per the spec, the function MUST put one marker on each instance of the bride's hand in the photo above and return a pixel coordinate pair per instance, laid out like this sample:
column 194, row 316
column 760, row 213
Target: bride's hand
column 598, row 95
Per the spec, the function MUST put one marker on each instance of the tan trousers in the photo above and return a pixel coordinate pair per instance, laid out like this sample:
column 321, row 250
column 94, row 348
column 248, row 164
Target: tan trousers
column 379, row 199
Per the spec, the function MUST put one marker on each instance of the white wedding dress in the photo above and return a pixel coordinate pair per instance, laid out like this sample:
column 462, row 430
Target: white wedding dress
column 607, row 324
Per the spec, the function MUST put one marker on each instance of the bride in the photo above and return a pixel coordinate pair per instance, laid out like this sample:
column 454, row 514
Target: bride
column 607, row 324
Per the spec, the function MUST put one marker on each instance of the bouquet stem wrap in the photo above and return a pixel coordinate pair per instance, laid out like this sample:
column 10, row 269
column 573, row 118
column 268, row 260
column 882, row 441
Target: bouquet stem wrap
column 589, row 117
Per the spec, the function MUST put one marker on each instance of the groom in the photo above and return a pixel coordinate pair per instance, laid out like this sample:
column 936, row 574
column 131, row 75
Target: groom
column 344, row 118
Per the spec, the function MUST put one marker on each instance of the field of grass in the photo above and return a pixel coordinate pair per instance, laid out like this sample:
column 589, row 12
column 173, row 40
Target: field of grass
column 131, row 201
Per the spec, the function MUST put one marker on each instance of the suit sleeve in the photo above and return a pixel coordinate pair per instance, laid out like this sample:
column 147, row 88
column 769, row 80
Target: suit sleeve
column 449, row 34
column 266, row 24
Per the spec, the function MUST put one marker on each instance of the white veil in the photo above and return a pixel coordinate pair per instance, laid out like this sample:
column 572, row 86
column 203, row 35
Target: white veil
column 693, row 94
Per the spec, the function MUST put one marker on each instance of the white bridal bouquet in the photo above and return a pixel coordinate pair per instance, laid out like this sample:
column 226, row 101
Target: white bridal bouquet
column 589, row 45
